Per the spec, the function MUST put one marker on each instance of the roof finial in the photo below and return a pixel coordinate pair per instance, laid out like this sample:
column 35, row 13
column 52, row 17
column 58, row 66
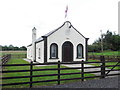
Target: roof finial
column 34, row 28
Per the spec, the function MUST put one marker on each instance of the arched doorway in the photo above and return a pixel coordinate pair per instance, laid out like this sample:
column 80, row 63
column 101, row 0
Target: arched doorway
column 67, row 52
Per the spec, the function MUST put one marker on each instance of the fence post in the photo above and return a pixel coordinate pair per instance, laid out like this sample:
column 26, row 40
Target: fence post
column 102, row 58
column 58, row 72
column 31, row 68
column 82, row 70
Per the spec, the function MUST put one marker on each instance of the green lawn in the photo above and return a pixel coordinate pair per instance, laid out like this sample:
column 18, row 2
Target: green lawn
column 106, row 53
column 20, row 61
column 108, row 63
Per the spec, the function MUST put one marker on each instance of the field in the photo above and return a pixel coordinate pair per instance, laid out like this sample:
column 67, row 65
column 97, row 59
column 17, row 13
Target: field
column 12, row 52
column 106, row 53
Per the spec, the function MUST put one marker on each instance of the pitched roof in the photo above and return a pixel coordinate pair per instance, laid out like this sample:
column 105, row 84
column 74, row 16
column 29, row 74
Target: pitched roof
column 39, row 39
column 48, row 34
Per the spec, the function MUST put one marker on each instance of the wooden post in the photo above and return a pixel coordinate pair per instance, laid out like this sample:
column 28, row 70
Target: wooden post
column 58, row 72
column 82, row 70
column 31, row 68
column 102, row 66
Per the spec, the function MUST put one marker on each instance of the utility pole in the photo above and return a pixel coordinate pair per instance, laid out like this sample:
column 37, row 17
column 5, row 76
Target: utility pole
column 101, row 41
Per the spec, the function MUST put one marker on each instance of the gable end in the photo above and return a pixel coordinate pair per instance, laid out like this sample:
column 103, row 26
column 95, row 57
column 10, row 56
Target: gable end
column 50, row 33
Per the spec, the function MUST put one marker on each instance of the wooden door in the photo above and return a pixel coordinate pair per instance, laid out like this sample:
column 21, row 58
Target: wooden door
column 67, row 52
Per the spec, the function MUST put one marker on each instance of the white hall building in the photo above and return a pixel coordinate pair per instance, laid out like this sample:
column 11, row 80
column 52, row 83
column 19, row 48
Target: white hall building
column 65, row 44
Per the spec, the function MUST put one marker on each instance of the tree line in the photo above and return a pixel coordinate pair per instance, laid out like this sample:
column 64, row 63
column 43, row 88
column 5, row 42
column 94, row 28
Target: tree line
column 13, row 48
column 111, row 41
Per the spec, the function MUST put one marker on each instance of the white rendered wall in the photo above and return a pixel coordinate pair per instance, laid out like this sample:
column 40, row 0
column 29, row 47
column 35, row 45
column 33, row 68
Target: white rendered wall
column 62, row 35
column 41, row 46
column 29, row 52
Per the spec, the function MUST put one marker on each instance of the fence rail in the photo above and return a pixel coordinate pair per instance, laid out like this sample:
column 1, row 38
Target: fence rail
column 5, row 58
column 103, row 72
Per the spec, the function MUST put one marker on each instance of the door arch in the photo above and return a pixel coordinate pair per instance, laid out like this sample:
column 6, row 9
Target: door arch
column 67, row 52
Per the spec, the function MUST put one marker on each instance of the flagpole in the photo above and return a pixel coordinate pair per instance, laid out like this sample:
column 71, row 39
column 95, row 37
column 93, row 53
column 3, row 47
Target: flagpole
column 66, row 17
column 66, row 11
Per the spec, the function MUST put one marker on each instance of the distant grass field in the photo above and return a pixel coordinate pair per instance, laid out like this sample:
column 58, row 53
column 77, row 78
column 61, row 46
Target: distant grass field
column 106, row 53
column 20, row 61
column 13, row 52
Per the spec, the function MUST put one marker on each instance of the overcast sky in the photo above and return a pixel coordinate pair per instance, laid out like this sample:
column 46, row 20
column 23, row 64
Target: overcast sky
column 18, row 17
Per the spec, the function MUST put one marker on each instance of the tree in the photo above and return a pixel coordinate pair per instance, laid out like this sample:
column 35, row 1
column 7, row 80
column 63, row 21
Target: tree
column 116, row 42
column 5, row 48
column 111, row 41
column 11, row 47
column 23, row 48
column 108, row 39
column 16, row 48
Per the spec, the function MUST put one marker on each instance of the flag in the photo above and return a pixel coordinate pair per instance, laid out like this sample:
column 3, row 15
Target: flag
column 66, row 11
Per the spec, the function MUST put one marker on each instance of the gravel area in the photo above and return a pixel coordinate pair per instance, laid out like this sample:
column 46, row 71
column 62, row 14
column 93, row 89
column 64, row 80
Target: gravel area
column 113, row 82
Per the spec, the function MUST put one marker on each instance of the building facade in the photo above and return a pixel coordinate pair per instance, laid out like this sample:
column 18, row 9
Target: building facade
column 65, row 44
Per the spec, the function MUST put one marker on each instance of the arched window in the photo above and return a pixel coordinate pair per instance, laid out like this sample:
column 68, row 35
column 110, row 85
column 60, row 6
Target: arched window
column 53, row 51
column 79, row 51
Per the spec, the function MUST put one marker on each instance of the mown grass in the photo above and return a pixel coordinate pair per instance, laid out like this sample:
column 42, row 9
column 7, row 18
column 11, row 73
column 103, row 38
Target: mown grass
column 106, row 53
column 107, row 63
column 20, row 61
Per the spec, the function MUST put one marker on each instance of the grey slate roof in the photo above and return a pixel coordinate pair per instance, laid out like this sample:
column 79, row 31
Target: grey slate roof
column 46, row 35
column 39, row 39
column 50, row 33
